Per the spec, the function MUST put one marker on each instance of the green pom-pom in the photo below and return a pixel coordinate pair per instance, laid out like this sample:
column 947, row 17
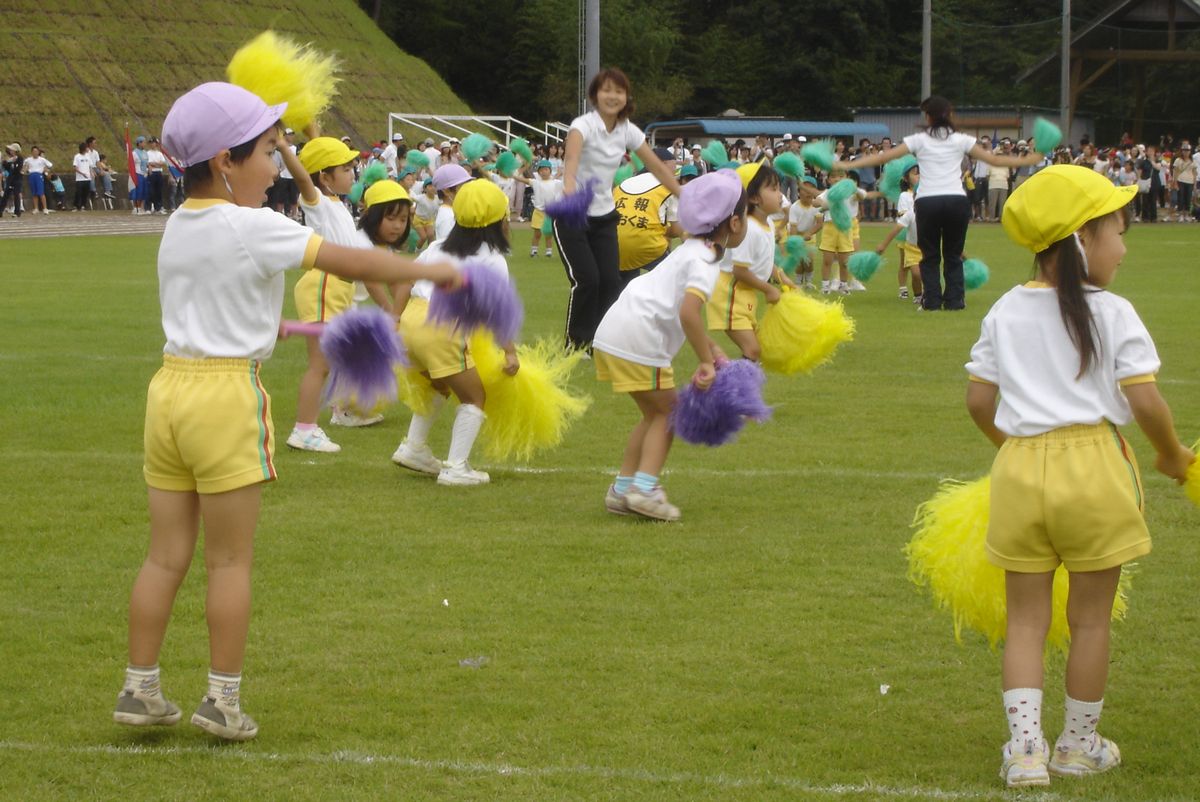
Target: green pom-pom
column 623, row 172
column 864, row 264
column 714, row 153
column 903, row 235
column 507, row 164
column 520, row 146
column 376, row 172
column 793, row 254
column 416, row 159
column 638, row 164
column 789, row 164
column 893, row 174
column 836, row 196
column 795, row 246
column 729, row 166
column 413, row 239
column 547, row 225
column 975, row 273
column 476, row 146
column 1046, row 136
column 819, row 153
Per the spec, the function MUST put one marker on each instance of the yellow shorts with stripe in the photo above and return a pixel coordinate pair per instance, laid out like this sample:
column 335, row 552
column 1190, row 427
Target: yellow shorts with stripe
column 421, row 222
column 438, row 350
column 855, row 231
column 733, row 306
column 834, row 240
column 208, row 426
column 320, row 296
column 537, row 220
column 630, row 377
column 1072, row 495
column 912, row 254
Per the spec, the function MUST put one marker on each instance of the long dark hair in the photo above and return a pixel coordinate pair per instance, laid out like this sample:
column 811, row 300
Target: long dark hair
column 1070, row 275
column 765, row 178
column 465, row 242
column 372, row 217
column 939, row 110
column 739, row 210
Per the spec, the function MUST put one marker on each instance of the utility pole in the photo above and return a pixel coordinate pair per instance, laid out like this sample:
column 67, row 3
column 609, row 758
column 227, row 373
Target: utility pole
column 1064, row 77
column 591, row 44
column 927, row 50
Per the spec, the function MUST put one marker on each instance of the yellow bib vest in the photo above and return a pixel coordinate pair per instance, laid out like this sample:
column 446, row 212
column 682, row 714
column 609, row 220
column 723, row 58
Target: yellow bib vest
column 641, row 235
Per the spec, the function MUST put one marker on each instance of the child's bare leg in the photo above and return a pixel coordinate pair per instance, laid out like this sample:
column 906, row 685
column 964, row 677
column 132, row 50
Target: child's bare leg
column 466, row 386
column 229, row 523
column 309, row 402
column 918, row 287
column 633, row 449
column 1029, row 604
column 656, row 442
column 902, row 273
column 1089, row 612
column 747, row 341
column 827, row 258
column 174, row 526
column 843, row 267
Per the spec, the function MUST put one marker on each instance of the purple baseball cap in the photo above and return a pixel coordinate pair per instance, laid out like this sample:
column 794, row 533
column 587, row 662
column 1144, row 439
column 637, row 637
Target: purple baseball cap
column 706, row 201
column 450, row 175
column 212, row 117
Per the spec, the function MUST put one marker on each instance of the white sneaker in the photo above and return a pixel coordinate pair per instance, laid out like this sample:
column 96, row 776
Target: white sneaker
column 549, row 254
column 461, row 475
column 312, row 440
column 904, row 293
column 615, row 502
column 341, row 417
column 856, row 286
column 1026, row 765
column 224, row 721
column 139, row 709
column 842, row 288
column 418, row 459
column 1076, row 762
column 825, row 288
column 651, row 505
column 533, row 252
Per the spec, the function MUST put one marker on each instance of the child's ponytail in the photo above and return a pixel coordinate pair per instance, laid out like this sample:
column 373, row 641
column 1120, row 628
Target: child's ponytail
column 1070, row 273
column 721, row 232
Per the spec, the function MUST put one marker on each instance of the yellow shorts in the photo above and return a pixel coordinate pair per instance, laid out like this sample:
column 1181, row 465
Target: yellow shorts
column 1072, row 495
column 733, row 306
column 912, row 255
column 630, row 377
column 321, row 297
column 208, row 426
column 834, row 240
column 438, row 350
column 537, row 220
column 421, row 222
column 855, row 233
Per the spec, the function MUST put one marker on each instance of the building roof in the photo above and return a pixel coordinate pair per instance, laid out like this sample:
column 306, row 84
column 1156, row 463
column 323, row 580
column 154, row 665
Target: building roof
column 766, row 126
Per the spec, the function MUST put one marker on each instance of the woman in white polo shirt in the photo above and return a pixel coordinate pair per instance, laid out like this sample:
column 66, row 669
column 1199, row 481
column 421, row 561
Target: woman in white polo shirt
column 596, row 145
column 943, row 210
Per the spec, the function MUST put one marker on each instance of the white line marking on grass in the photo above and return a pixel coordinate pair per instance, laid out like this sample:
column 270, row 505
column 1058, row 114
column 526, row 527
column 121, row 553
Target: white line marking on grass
column 508, row 770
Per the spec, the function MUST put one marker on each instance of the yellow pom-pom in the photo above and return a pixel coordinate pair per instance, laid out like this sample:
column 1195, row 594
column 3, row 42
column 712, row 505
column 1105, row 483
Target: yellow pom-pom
column 947, row 555
column 532, row 410
column 798, row 334
column 279, row 70
column 414, row 390
column 1191, row 484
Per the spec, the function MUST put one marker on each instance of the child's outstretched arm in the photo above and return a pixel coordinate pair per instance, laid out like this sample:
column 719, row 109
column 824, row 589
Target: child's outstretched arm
column 981, row 403
column 891, row 235
column 376, row 264
column 691, row 317
column 660, row 171
column 309, row 192
column 1153, row 415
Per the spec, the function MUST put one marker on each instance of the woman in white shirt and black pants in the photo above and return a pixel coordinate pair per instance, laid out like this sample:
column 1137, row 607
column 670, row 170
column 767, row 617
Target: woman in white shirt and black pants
column 596, row 146
column 942, row 207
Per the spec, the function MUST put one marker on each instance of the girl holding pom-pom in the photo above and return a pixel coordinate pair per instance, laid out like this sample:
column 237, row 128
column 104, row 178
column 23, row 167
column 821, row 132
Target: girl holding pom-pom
column 595, row 147
column 209, row 440
column 943, row 211
column 1068, row 363
column 748, row 268
column 643, row 331
column 906, row 222
column 439, row 352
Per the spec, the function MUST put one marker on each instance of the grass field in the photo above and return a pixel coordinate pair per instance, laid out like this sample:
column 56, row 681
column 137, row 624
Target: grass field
column 737, row 655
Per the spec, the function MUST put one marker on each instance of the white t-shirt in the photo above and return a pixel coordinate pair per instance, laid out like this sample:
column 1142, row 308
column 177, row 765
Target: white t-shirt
column 37, row 164
column 83, row 167
column 444, row 223
column 389, row 157
column 941, row 162
column 284, row 172
column 643, row 326
column 434, row 253
column 851, row 203
column 601, row 156
column 426, row 207
column 155, row 161
column 906, row 215
column 332, row 220
column 1025, row 349
column 757, row 251
column 546, row 192
column 220, row 277
column 801, row 218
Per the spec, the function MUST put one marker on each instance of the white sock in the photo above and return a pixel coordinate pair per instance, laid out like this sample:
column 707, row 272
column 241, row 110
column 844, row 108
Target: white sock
column 143, row 679
column 1023, row 706
column 418, row 429
column 1079, row 724
column 467, row 422
column 225, row 688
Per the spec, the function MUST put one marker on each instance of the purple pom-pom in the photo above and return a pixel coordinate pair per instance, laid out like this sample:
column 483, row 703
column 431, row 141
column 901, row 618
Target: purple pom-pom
column 714, row 416
column 571, row 210
column 487, row 299
column 362, row 347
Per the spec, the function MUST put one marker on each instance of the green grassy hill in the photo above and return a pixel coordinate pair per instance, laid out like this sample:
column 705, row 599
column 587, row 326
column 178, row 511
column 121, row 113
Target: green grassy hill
column 76, row 68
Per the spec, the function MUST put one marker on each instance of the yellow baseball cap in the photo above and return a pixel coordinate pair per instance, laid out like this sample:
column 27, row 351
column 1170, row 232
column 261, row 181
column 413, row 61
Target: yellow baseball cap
column 479, row 203
column 1053, row 204
column 385, row 191
column 747, row 172
column 325, row 152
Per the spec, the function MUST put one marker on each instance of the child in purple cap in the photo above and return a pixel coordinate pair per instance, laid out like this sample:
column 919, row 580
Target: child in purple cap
column 447, row 179
column 209, row 440
column 643, row 331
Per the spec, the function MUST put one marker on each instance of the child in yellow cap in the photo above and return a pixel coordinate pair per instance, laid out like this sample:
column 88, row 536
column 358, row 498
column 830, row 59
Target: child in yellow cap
column 323, row 171
column 1060, row 363
column 209, row 440
column 439, row 352
column 748, row 268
